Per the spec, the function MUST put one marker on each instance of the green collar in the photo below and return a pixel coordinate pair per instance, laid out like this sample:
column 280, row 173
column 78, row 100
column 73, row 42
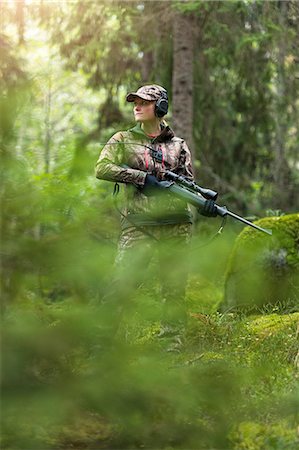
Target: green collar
column 139, row 131
column 165, row 135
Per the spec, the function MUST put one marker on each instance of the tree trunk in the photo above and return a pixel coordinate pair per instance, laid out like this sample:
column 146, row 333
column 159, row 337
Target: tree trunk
column 281, row 170
column 147, row 66
column 182, row 78
column 20, row 20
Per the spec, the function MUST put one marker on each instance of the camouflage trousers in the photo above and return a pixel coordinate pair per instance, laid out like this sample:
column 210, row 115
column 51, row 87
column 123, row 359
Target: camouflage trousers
column 153, row 255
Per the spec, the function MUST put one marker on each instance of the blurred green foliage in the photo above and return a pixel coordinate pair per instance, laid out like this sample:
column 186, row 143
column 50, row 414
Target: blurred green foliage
column 64, row 389
column 66, row 382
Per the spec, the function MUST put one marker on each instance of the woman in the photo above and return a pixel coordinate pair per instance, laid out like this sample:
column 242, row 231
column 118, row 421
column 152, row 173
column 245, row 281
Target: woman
column 152, row 220
column 139, row 158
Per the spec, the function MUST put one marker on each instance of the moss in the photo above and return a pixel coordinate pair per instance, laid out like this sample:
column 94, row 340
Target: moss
column 254, row 436
column 272, row 324
column 264, row 271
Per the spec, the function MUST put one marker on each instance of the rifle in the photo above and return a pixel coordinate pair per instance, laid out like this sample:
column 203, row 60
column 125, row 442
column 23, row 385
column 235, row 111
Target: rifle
column 191, row 192
column 194, row 194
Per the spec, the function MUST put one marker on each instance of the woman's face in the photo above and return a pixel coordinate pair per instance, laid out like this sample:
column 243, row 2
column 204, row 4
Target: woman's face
column 144, row 110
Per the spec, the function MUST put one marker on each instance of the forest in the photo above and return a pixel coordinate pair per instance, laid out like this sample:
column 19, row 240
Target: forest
column 231, row 70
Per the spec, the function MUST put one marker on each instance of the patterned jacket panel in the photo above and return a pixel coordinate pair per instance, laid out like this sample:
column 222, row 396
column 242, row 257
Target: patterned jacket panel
column 113, row 159
column 129, row 155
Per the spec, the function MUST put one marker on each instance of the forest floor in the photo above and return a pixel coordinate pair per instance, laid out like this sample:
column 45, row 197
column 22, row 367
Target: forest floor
column 232, row 385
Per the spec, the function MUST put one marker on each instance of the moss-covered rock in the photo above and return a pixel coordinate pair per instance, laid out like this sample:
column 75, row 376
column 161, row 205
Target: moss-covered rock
column 263, row 271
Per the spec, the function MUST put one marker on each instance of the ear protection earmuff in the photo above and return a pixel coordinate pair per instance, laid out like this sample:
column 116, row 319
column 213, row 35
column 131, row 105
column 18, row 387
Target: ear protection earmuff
column 161, row 106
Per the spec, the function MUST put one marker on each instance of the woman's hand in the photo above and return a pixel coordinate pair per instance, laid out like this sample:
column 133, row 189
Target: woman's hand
column 151, row 184
column 209, row 209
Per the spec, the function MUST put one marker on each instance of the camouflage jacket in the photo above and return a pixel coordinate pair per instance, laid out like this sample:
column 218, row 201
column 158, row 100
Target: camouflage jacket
column 127, row 159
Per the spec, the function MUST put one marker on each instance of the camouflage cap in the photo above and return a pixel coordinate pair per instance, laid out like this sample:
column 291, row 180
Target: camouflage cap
column 149, row 92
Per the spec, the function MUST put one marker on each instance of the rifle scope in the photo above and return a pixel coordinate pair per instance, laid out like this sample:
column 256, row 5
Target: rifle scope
column 209, row 194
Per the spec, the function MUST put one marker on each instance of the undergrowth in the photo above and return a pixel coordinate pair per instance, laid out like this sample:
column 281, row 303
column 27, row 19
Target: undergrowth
column 233, row 385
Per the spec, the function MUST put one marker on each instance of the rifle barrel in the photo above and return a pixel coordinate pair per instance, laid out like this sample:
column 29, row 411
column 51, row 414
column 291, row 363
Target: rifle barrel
column 198, row 201
column 222, row 211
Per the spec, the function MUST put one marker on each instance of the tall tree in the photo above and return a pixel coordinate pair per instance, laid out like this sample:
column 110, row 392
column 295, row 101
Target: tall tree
column 20, row 9
column 182, row 76
column 281, row 171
